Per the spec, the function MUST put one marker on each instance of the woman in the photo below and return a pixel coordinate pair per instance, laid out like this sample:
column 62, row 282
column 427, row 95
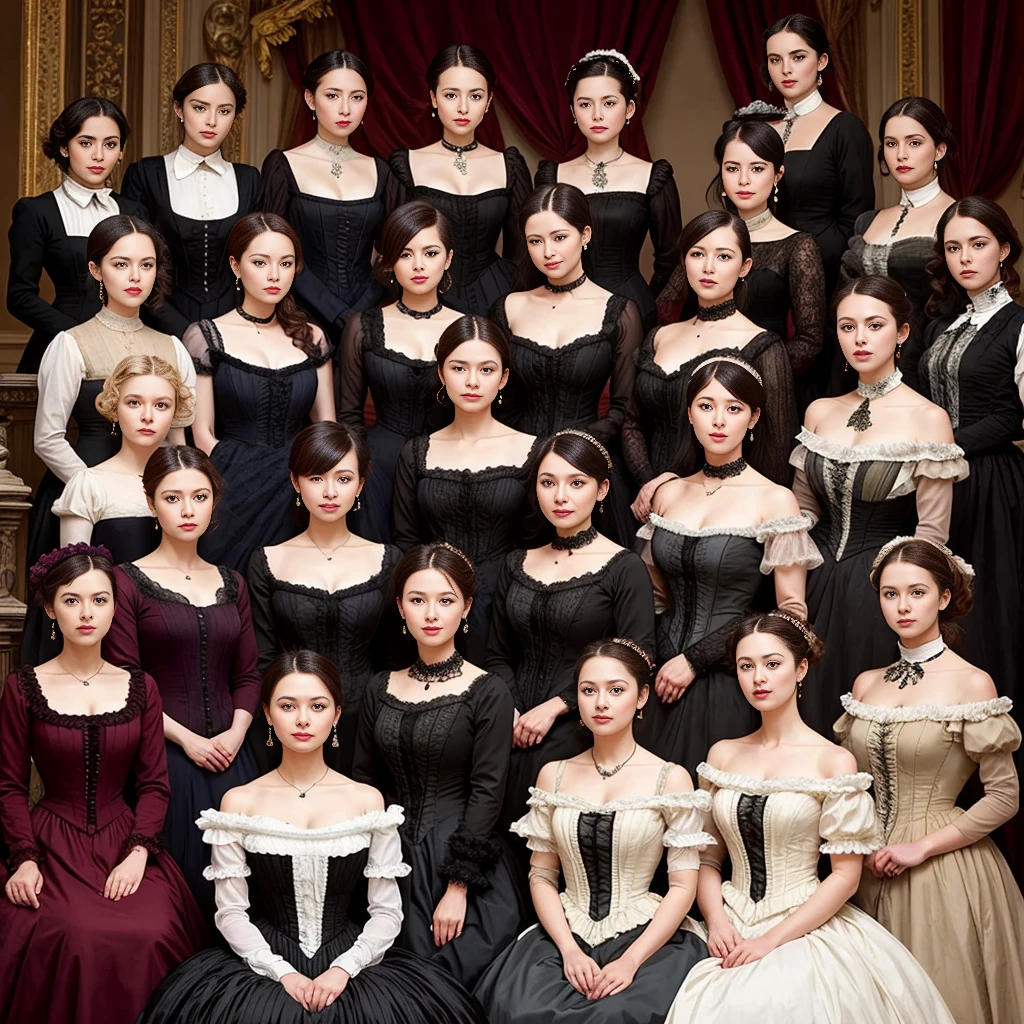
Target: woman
column 972, row 367
column 389, row 353
column 939, row 884
column 187, row 623
column 622, row 960
column 569, row 339
column 629, row 197
column 870, row 465
column 657, row 441
column 780, row 940
column 332, row 195
column 468, row 483
column 477, row 188
column 95, row 914
column 445, row 757
column 553, row 600
column 307, row 894
column 915, row 141
column 48, row 232
column 264, row 372
column 195, row 196
column 710, row 536
column 327, row 589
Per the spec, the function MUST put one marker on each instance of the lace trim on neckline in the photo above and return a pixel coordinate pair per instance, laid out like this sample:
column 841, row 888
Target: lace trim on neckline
column 972, row 711
column 433, row 702
column 260, row 824
column 895, row 451
column 698, row 799
column 857, row 783
column 226, row 594
column 373, row 330
column 421, row 445
column 769, row 528
column 613, row 310
column 750, row 351
column 387, row 564
column 517, row 563
column 134, row 706
column 990, row 300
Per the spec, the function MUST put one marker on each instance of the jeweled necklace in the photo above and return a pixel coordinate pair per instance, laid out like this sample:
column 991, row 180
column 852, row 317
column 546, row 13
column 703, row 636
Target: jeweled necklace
column 438, row 672
column 302, row 792
column 255, row 320
column 722, row 472
column 860, row 418
column 764, row 217
column 719, row 311
column 607, row 773
column 599, row 176
column 574, row 542
column 85, row 681
column 339, row 154
column 419, row 314
column 908, row 669
column 461, row 163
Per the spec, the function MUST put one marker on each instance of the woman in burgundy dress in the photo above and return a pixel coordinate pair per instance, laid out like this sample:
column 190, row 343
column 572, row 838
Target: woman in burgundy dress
column 95, row 915
column 189, row 625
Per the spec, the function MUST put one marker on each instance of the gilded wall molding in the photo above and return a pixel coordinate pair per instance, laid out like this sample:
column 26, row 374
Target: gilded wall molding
column 42, row 90
column 909, row 48
column 170, row 70
column 276, row 25
column 106, row 52
column 226, row 35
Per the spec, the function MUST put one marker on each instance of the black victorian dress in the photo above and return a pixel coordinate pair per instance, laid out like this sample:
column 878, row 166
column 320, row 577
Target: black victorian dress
column 204, row 286
column 552, row 388
column 345, row 626
column 621, row 222
column 479, row 275
column 337, row 238
column 40, row 243
column 404, row 394
column 446, row 760
column 259, row 411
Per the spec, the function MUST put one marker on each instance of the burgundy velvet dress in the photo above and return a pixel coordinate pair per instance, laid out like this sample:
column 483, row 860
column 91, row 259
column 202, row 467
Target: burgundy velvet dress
column 81, row 957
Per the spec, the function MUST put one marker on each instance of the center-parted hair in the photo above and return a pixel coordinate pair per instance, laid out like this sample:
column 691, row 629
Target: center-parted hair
column 318, row 448
column 208, row 73
column 62, row 567
column 563, row 200
column 460, row 56
column 602, row 66
column 800, row 640
column 754, row 131
column 932, row 118
column 306, row 662
column 810, row 31
column 336, row 60
column 638, row 667
column 451, row 563
column 886, row 289
column 165, row 461
column 111, row 230
column 700, row 227
column 472, row 328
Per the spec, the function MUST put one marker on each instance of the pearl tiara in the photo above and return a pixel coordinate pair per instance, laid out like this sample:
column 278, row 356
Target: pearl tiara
column 634, row 646
column 593, row 440
column 965, row 567
column 808, row 635
column 729, row 359
column 613, row 54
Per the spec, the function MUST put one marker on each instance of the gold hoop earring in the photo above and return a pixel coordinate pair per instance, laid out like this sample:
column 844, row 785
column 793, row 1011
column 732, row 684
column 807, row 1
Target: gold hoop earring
column 270, row 735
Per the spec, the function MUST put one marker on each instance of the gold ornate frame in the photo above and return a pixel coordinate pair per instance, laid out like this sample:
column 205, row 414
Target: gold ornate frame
column 909, row 48
column 43, row 37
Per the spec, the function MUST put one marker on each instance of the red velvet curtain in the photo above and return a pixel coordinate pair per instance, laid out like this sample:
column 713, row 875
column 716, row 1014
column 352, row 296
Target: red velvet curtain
column 738, row 28
column 982, row 92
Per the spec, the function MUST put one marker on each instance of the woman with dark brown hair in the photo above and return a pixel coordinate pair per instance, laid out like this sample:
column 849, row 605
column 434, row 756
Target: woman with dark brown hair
column 264, row 373
column 389, row 353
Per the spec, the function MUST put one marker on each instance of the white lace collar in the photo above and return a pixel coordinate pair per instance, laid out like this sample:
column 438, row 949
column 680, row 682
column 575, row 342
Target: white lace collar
column 116, row 322
column 185, row 162
column 82, row 196
column 975, row 711
column 919, row 196
column 857, row 783
column 923, row 653
column 990, row 300
column 806, row 105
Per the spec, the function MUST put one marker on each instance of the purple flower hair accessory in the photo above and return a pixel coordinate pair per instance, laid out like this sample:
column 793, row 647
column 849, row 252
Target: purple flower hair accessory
column 46, row 562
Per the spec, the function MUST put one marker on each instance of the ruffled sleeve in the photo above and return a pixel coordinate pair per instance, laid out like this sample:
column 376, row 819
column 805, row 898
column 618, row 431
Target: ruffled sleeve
column 535, row 826
column 685, row 838
column 787, row 542
column 547, row 173
column 848, row 821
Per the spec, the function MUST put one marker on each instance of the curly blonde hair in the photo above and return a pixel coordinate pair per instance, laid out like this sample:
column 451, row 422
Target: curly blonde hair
column 145, row 366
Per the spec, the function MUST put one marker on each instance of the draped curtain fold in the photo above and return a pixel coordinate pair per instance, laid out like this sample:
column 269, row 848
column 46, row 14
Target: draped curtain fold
column 982, row 93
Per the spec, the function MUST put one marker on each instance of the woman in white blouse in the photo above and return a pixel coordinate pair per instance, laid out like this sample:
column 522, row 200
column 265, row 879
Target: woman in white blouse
column 194, row 196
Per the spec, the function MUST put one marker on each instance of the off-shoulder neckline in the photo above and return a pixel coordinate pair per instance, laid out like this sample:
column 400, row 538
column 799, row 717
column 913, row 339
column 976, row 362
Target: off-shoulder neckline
column 856, row 783
column 766, row 528
column 890, row 451
column 970, row 711
column 698, row 799
column 262, row 824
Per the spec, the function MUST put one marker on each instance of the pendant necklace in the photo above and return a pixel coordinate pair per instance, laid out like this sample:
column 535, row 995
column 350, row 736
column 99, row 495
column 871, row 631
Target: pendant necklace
column 339, row 154
column 909, row 668
column 419, row 314
column 335, row 548
column 599, row 176
column 576, row 541
column 85, row 681
column 255, row 320
column 719, row 311
column 302, row 792
column 558, row 289
column 439, row 672
column 860, row 418
column 607, row 773
column 723, row 472
column 461, row 163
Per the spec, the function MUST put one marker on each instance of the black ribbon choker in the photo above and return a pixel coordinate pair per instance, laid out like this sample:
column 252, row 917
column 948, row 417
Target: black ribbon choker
column 726, row 470
column 419, row 314
column 572, row 286
column 717, row 312
column 254, row 319
column 577, row 540
column 440, row 672
column 912, row 672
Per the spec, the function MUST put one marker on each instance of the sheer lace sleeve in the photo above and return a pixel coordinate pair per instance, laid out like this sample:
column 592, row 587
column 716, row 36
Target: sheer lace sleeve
column 628, row 335
column 807, row 296
column 517, row 181
column 197, row 342
column 666, row 223
column 775, row 435
column 353, row 386
column 672, row 296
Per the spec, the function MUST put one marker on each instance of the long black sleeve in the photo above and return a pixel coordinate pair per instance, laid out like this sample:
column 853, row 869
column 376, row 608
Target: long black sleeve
column 666, row 224
column 260, row 594
column 501, row 645
column 410, row 527
column 352, row 388
column 629, row 333
column 517, row 181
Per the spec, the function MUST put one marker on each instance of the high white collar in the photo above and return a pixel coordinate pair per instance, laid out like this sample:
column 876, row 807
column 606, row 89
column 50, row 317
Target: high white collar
column 990, row 299
column 82, row 196
column 924, row 652
column 919, row 196
column 185, row 162
column 806, row 105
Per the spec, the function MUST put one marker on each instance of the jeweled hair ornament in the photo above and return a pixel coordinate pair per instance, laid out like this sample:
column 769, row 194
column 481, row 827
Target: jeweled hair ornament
column 729, row 359
column 964, row 567
column 455, row 550
column 808, row 635
column 759, row 109
column 614, row 54
column 46, row 562
column 593, row 440
column 634, row 646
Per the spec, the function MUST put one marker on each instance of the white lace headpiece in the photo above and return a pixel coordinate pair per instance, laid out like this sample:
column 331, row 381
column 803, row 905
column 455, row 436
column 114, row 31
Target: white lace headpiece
column 965, row 567
column 614, row 54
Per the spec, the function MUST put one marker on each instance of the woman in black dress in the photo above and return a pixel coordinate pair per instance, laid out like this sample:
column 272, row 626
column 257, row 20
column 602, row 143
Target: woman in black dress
column 443, row 755
column 264, row 372
column 629, row 197
column 656, row 437
column 569, row 339
column 325, row 590
column 973, row 366
column 195, row 196
column 332, row 195
column 478, row 189
column 553, row 600
column 390, row 353
column 468, row 483
column 915, row 140
column 48, row 232
column 187, row 624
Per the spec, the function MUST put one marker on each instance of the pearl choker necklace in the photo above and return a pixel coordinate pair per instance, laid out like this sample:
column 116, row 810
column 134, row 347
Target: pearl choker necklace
column 764, row 217
column 909, row 669
column 860, row 418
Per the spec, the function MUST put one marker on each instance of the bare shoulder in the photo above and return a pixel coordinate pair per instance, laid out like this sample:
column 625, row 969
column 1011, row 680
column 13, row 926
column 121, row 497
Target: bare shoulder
column 779, row 502
column 240, row 799
column 865, row 681
column 818, row 411
column 932, row 421
column 722, row 753
column 364, row 798
column 678, row 780
column 976, row 685
column 547, row 775
column 836, row 760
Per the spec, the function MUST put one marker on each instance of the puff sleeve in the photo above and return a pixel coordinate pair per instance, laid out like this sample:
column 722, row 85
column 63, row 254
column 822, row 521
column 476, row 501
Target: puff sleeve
column 990, row 743
column 787, row 542
column 685, row 838
column 535, row 826
column 848, row 822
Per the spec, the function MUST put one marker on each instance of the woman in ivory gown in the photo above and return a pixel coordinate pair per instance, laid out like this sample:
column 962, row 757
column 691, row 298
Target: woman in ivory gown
column 940, row 885
column 787, row 947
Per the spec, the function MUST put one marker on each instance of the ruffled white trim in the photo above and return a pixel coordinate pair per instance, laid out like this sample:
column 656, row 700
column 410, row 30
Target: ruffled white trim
column 397, row 870
column 678, row 840
column 760, row 532
column 637, row 912
column 975, row 711
column 850, row 846
column 211, row 874
column 857, row 783
column 699, row 799
column 896, row 451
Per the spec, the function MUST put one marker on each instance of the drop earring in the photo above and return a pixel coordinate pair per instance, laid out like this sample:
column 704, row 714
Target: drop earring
column 238, row 285
column 113, row 428
column 499, row 396
column 156, row 524
column 103, row 294
column 600, row 507
column 819, row 79
column 53, row 629
column 298, row 500
column 776, row 191
column 627, row 121
column 899, row 349
column 270, row 735
column 751, row 433
column 334, row 738
column 404, row 630
column 723, row 193
column 799, row 688
column 440, row 395
column 465, row 625
column 639, row 714
column 358, row 505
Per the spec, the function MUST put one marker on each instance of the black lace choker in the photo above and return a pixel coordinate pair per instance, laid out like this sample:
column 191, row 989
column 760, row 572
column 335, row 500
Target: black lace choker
column 717, row 312
column 571, row 287
column 726, row 470
column 439, row 672
column 419, row 314
column 577, row 540
column 254, row 319
column 452, row 148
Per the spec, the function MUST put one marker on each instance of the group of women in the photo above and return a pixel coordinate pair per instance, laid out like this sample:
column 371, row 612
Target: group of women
column 312, row 485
